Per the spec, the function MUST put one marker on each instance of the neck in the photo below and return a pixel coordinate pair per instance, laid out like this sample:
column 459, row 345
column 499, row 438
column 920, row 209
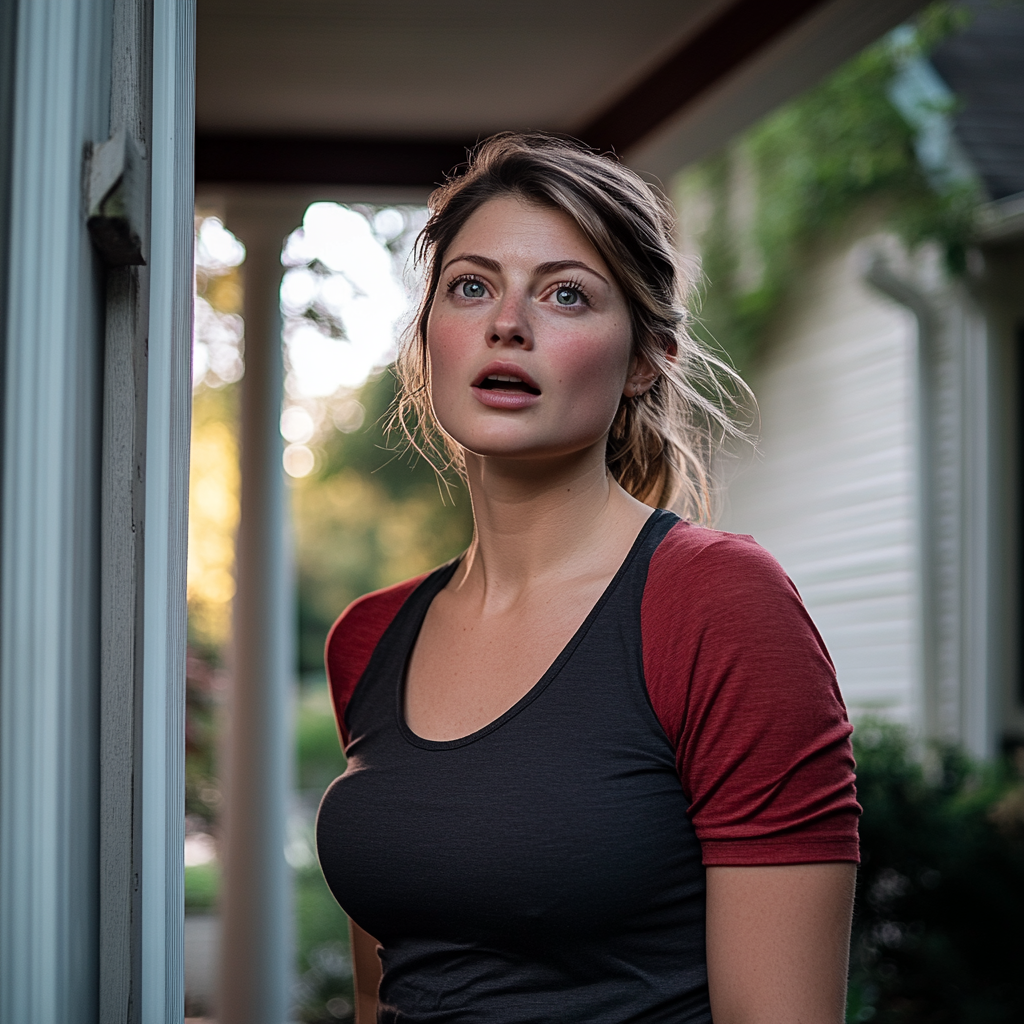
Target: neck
column 540, row 522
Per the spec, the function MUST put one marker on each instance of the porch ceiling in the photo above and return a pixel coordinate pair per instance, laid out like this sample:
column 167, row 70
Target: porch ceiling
column 391, row 91
column 421, row 69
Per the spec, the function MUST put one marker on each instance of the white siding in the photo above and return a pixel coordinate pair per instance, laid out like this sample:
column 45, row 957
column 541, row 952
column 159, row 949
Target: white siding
column 833, row 494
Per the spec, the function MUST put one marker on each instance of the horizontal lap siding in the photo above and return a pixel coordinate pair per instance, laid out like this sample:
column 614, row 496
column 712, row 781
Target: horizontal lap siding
column 833, row 494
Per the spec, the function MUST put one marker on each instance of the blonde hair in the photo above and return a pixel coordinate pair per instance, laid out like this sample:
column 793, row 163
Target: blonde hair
column 661, row 441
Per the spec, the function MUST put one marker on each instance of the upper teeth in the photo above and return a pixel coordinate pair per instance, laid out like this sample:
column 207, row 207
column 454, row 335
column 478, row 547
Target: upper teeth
column 504, row 376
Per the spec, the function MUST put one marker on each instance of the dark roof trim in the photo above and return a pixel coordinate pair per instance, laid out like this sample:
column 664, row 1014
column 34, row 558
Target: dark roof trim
column 297, row 160
column 700, row 63
column 704, row 60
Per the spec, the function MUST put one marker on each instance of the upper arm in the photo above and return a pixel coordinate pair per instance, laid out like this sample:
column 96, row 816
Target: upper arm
column 747, row 695
column 778, row 941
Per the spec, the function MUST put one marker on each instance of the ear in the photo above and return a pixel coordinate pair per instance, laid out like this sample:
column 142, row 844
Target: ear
column 642, row 376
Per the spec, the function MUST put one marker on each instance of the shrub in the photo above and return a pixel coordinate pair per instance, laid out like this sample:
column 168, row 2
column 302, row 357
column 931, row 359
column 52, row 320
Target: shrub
column 937, row 933
column 202, row 885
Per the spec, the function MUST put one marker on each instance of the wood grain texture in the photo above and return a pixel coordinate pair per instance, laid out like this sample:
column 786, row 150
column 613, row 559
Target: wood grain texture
column 121, row 549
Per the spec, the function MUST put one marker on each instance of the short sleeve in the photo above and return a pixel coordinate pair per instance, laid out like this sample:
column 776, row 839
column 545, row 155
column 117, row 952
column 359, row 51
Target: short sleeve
column 353, row 639
column 742, row 684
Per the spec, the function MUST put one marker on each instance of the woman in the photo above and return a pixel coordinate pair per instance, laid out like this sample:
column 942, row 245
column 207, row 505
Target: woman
column 598, row 767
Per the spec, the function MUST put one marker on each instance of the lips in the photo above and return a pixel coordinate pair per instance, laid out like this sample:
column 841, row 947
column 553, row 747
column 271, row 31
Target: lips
column 506, row 377
column 505, row 386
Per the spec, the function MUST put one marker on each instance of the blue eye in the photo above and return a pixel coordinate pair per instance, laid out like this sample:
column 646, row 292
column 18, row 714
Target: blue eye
column 473, row 290
column 568, row 296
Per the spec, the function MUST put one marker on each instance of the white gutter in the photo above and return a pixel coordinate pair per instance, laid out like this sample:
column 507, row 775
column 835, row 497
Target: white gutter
column 879, row 274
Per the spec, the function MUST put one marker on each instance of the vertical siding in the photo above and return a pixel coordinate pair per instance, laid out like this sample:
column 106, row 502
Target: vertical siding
column 49, row 521
column 833, row 494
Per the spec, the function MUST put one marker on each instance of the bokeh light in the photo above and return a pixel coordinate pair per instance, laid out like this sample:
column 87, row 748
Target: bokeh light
column 299, row 461
column 217, row 345
column 348, row 291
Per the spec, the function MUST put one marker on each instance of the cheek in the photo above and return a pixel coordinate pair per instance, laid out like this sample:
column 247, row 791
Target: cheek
column 447, row 347
column 593, row 371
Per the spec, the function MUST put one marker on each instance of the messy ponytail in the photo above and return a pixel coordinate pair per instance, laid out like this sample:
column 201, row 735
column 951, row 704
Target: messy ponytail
column 662, row 441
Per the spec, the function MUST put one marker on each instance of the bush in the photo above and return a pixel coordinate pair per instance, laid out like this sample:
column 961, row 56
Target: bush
column 318, row 756
column 202, row 884
column 324, row 990
column 324, row 984
column 937, row 937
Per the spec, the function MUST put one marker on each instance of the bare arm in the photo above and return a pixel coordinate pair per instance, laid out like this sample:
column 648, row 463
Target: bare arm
column 778, row 943
column 366, row 973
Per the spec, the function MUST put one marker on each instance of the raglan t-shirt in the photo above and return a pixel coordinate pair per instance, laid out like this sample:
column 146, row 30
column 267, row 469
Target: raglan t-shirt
column 550, row 866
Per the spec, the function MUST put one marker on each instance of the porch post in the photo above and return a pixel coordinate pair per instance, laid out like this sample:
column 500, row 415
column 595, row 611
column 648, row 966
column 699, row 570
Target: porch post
column 255, row 969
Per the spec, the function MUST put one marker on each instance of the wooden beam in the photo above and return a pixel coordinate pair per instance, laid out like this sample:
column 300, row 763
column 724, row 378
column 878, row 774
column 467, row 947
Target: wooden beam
column 703, row 61
column 325, row 160
column 700, row 63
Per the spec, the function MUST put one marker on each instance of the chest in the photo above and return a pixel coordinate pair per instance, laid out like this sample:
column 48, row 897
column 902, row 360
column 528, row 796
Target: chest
column 563, row 813
column 467, row 667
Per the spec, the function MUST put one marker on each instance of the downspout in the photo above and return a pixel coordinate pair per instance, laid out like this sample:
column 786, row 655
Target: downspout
column 879, row 274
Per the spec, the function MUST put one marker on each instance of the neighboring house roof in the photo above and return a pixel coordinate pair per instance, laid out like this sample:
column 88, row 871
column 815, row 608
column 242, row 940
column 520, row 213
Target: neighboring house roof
column 984, row 66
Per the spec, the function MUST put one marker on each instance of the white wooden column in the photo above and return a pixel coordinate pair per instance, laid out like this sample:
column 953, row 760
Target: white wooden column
column 95, row 471
column 56, row 100
column 255, row 969
column 168, row 420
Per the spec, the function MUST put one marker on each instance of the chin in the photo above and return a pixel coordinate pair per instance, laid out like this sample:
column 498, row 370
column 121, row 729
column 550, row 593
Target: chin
column 529, row 445
column 535, row 433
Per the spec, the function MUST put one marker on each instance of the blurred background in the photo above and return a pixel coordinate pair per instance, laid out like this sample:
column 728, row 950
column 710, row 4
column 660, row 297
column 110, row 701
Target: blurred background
column 849, row 180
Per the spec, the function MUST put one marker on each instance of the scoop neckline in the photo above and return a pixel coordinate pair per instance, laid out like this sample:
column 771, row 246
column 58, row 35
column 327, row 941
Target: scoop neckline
column 545, row 680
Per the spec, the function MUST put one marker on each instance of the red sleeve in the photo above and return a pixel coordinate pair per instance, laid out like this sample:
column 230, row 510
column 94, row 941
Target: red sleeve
column 353, row 639
column 746, row 692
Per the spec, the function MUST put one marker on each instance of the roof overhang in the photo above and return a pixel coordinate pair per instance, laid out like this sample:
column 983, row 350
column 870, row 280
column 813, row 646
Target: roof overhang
column 662, row 83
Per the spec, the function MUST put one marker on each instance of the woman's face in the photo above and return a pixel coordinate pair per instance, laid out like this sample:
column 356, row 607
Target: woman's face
column 528, row 337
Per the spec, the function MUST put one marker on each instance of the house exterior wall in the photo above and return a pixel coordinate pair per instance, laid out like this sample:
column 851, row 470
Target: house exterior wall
column 834, row 491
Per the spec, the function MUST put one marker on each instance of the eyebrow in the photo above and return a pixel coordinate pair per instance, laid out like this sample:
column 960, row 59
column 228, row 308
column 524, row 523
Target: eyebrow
column 542, row 268
column 548, row 268
column 481, row 261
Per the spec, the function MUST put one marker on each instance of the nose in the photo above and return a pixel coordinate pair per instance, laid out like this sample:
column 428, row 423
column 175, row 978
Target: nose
column 511, row 323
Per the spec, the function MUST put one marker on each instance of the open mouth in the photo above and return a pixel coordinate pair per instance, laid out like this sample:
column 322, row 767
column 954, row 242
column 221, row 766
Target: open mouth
column 507, row 382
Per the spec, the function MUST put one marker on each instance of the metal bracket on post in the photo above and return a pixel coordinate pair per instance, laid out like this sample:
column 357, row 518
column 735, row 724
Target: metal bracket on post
column 117, row 201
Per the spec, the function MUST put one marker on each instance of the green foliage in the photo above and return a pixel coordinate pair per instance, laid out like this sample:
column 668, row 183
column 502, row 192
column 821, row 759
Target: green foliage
column 202, row 793
column 369, row 518
column 202, row 884
column 319, row 759
column 322, row 948
column 372, row 452
column 810, row 166
column 937, row 936
column 321, row 927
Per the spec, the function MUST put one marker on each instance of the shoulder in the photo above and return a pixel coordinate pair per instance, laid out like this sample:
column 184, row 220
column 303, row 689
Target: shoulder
column 695, row 567
column 746, row 693
column 355, row 635
column 721, row 621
